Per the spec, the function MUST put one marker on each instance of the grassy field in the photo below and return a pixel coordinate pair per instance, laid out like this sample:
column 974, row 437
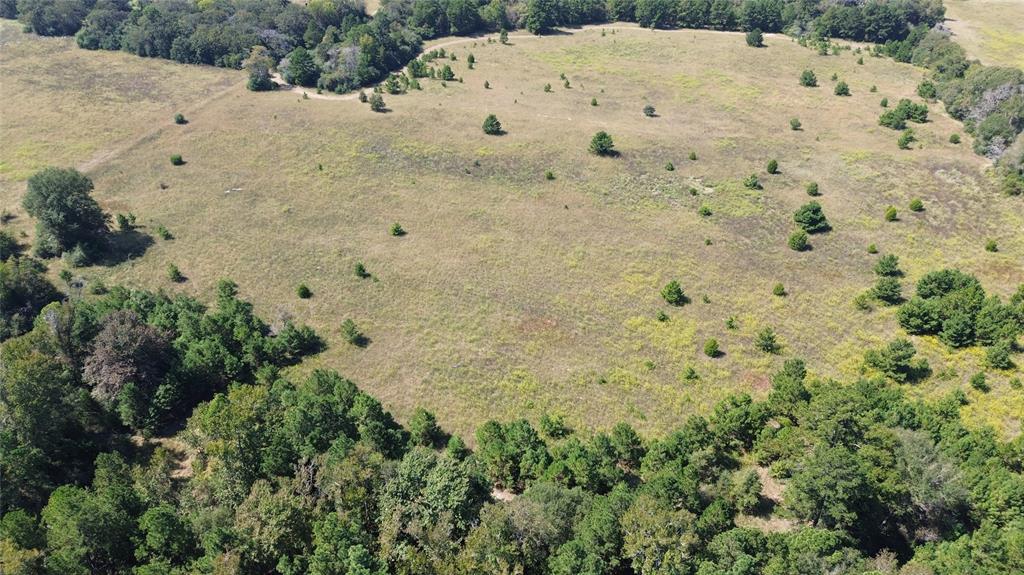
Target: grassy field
column 512, row 295
column 990, row 30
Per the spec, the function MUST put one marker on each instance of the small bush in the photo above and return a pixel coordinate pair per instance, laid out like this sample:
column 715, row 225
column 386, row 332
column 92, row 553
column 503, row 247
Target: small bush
column 350, row 331
column 888, row 265
column 997, row 356
column 360, row 270
column 808, row 79
column 773, row 167
column 303, row 291
column 549, row 175
column 811, row 218
column 180, row 119
column 487, row 85
column 891, row 214
column 547, row 87
column 670, row 167
column 174, row 274
column 906, row 138
column 798, row 241
column 978, row 382
column 794, row 124
column 872, row 249
column 397, row 230
column 673, row 293
column 842, row 89
column 362, row 96
column 649, row 111
column 767, row 341
column 752, row 182
column 954, row 138
column 779, row 290
column 704, row 211
column 887, row 290
column 377, row 103
column 916, row 205
column 991, row 246
column 812, row 189
column 662, row 316
column 176, row 160
column 873, row 88
column 835, row 76
column 693, row 156
column 593, row 101
column 927, row 90
column 163, row 233
column 602, row 144
column 755, row 38
column 884, row 103
column 731, row 323
column 125, row 222
column 492, row 127
column 711, row 348
column 553, row 426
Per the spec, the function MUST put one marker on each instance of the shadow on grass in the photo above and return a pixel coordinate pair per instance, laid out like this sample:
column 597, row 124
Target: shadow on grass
column 124, row 246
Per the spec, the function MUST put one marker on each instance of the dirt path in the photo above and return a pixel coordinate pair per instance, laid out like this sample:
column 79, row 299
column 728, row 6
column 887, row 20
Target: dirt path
column 106, row 155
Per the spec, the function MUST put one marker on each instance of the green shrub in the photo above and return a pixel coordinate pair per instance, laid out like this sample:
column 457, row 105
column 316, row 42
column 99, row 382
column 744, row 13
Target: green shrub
column 176, row 160
column 926, row 89
column 842, row 89
column 779, row 290
column 303, row 291
column 811, row 218
column 8, row 246
column 905, row 111
column 163, row 233
column 174, row 274
column 180, row 119
column 362, row 96
column 661, row 316
column 673, row 293
column 773, row 167
column 798, row 241
column 906, row 138
column 888, row 265
column 487, row 85
column 553, row 426
column 891, row 214
column 835, row 76
column 397, row 230
column 360, row 270
column 884, row 103
column 77, row 257
column 873, row 88
column 991, row 246
column 997, row 356
column 704, row 211
column 693, row 156
column 649, row 111
column 812, row 189
column 377, row 103
column 978, row 382
column 593, row 101
column 549, row 175
column 916, row 205
column 755, row 38
column 767, row 341
column 547, row 87
column 492, row 126
column 794, row 124
column 731, row 323
column 752, row 182
column 954, row 138
column 711, row 348
column 872, row 249
column 887, row 290
column 350, row 331
column 602, row 144
column 808, row 79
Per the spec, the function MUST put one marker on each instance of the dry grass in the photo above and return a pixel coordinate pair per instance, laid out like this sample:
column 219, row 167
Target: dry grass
column 512, row 295
column 990, row 30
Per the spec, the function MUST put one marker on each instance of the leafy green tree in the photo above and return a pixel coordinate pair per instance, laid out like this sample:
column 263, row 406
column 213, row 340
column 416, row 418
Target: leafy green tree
column 511, row 453
column 302, row 69
column 808, row 79
column 896, row 361
column 828, row 488
column 842, row 89
column 541, row 16
column 377, row 103
column 24, row 290
column 67, row 215
column 602, row 144
column 259, row 64
column 423, row 428
column 752, row 182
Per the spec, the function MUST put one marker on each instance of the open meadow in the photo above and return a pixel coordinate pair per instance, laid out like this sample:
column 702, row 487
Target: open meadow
column 990, row 30
column 516, row 295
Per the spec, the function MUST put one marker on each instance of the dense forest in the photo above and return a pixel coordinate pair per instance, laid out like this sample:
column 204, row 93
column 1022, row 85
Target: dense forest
column 150, row 434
